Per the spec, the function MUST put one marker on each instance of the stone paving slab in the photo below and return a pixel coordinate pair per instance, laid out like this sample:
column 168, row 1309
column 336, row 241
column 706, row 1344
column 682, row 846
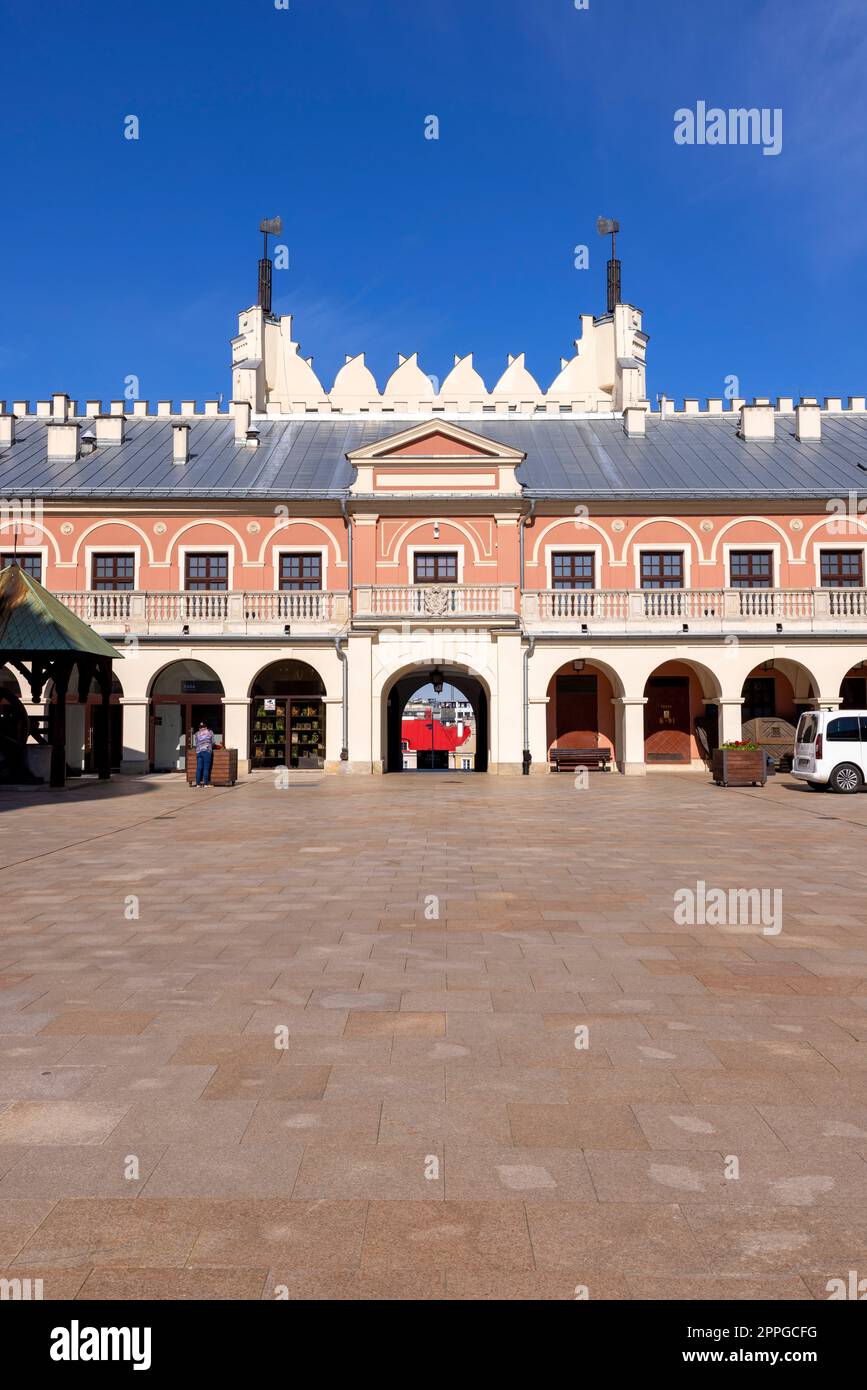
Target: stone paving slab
column 423, row 1038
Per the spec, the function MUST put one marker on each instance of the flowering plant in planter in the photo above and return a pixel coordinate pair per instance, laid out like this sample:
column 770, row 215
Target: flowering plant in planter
column 740, row 763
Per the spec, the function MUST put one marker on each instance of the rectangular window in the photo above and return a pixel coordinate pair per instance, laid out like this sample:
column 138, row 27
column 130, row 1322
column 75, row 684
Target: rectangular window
column 435, row 567
column 751, row 569
column 31, row 564
column 207, row 573
column 301, row 572
column 113, row 572
column 842, row 569
column 662, row 569
column 572, row 570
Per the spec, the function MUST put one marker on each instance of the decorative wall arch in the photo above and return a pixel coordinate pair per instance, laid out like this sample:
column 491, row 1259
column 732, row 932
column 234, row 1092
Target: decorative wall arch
column 11, row 524
column 283, row 526
column 766, row 521
column 586, row 524
column 401, row 537
column 653, row 521
column 860, row 521
column 112, row 521
column 208, row 521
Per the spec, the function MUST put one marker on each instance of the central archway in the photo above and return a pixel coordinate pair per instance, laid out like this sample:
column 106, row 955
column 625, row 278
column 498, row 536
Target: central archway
column 454, row 720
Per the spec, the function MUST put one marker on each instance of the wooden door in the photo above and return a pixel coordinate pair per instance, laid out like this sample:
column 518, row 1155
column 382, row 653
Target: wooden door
column 666, row 720
column 577, row 712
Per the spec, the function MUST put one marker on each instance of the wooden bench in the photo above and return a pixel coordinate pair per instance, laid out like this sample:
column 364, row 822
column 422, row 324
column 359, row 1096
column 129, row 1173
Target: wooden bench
column 579, row 757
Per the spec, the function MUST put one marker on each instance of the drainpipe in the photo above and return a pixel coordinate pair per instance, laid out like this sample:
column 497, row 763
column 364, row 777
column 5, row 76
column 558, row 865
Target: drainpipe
column 528, row 652
column 344, row 752
column 345, row 513
column 525, row 520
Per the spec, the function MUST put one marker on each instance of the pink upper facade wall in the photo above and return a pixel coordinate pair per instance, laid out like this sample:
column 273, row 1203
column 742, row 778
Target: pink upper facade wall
column 486, row 542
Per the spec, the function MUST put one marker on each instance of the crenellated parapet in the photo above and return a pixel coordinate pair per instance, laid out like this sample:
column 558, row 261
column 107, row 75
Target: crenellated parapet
column 606, row 374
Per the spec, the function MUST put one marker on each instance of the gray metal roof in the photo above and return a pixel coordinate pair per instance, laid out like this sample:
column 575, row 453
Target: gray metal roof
column 693, row 457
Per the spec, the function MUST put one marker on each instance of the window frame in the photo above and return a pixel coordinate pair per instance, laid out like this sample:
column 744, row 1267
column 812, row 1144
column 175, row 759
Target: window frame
column 823, row 550
column 27, row 552
column 209, row 552
column 277, row 558
column 97, row 584
column 423, row 553
column 301, row 585
column 92, row 551
column 572, row 555
column 750, row 552
column 647, row 550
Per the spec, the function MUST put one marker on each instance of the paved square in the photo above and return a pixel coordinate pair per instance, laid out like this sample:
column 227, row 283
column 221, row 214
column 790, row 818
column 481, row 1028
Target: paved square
column 432, row 1036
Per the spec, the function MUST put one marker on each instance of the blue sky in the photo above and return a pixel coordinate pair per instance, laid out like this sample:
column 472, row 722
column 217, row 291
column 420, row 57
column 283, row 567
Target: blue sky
column 133, row 257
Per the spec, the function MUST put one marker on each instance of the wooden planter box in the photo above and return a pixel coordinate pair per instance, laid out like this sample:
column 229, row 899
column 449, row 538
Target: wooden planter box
column 739, row 767
column 224, row 767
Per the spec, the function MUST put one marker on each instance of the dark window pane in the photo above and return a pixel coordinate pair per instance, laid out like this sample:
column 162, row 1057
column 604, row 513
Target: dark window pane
column 31, row 564
column 751, row 569
column 207, row 573
column 572, row 570
column 807, row 727
column 662, row 569
column 436, row 567
column 842, row 569
column 301, row 572
column 113, row 572
column 844, row 730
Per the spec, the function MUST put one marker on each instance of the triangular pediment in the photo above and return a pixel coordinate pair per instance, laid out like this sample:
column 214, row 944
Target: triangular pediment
column 436, row 441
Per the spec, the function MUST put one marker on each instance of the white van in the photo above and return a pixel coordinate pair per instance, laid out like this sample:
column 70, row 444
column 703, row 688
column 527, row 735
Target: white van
column 831, row 750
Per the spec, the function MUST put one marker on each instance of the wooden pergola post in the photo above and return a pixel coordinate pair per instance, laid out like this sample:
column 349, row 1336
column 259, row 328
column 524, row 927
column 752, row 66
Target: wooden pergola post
column 62, row 672
column 102, row 720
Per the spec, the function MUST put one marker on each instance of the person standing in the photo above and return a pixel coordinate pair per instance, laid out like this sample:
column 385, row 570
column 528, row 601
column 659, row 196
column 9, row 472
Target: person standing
column 204, row 744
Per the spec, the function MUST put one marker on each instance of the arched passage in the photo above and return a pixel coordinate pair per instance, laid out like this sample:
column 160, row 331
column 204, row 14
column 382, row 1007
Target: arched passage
column 777, row 688
column 580, row 712
column 182, row 694
column 460, row 709
column 679, row 696
column 13, row 727
column 853, row 687
column 287, row 716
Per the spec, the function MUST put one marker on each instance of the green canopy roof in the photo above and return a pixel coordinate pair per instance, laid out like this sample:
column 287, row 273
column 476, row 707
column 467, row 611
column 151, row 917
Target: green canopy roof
column 33, row 621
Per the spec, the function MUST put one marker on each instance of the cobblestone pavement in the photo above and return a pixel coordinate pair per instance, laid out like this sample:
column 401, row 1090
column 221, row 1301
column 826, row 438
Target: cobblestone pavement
column 322, row 1041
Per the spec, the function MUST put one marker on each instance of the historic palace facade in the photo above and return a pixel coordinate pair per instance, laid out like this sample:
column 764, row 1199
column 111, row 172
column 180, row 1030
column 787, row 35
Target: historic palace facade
column 583, row 569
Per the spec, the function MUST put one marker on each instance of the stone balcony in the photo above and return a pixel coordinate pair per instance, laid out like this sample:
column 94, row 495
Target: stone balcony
column 444, row 603
column 603, row 611
column 209, row 614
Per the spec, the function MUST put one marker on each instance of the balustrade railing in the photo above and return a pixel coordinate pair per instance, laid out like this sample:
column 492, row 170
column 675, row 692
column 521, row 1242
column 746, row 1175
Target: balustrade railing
column 614, row 610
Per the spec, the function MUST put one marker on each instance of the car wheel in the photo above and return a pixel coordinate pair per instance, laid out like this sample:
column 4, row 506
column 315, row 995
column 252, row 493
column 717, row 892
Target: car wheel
column 846, row 778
